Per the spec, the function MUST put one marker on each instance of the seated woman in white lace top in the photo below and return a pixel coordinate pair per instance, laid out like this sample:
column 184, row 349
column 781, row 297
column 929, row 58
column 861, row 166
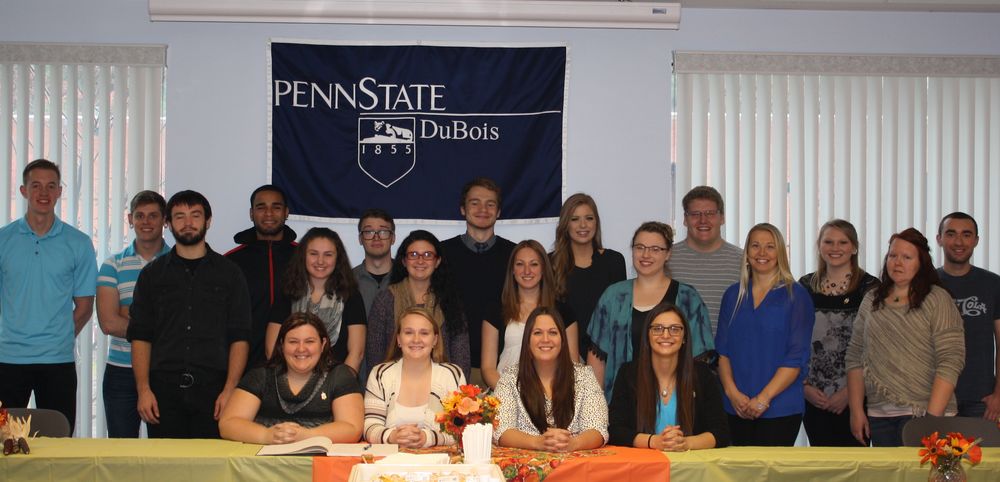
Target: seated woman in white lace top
column 546, row 402
column 404, row 394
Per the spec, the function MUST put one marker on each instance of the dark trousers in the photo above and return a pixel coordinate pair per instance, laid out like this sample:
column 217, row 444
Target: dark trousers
column 120, row 402
column 765, row 432
column 971, row 408
column 54, row 385
column 827, row 429
column 888, row 431
column 185, row 411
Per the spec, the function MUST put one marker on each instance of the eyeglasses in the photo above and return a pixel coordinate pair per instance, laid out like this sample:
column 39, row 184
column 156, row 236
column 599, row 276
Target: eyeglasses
column 697, row 214
column 673, row 330
column 427, row 255
column 642, row 248
column 376, row 234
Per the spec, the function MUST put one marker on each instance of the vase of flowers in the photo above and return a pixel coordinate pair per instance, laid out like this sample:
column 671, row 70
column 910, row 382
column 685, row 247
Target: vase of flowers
column 946, row 454
column 465, row 406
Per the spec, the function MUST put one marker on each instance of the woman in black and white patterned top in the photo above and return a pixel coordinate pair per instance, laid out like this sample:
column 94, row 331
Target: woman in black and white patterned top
column 542, row 407
column 837, row 287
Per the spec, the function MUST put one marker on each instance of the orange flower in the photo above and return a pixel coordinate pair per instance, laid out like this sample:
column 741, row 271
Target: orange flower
column 471, row 391
column 930, row 453
column 975, row 454
column 468, row 405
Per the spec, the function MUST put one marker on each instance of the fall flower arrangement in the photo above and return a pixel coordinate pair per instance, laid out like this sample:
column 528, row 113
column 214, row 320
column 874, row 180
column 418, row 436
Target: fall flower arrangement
column 946, row 453
column 465, row 406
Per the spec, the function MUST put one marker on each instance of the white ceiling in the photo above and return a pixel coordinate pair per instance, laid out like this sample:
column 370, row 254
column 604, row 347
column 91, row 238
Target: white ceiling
column 897, row 5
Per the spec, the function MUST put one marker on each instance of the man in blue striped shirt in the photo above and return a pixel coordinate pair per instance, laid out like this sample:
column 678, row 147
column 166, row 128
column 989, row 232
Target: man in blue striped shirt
column 115, row 282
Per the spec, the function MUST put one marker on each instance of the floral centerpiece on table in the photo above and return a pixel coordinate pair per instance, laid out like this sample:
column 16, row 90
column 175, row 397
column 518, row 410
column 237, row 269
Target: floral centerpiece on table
column 465, row 406
column 946, row 453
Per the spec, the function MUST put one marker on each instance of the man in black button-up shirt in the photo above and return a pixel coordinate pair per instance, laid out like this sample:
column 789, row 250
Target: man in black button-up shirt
column 190, row 322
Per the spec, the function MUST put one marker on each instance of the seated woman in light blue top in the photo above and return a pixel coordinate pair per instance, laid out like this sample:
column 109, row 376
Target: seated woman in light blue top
column 616, row 325
column 664, row 399
column 765, row 326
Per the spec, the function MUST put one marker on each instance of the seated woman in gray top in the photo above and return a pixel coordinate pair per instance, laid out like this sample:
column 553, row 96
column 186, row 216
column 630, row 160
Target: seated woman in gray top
column 302, row 392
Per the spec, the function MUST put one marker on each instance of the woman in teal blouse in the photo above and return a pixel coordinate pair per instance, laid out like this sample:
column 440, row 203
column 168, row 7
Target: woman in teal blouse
column 616, row 324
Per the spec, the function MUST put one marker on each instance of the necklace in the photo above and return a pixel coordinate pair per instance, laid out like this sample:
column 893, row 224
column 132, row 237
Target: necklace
column 666, row 392
column 834, row 288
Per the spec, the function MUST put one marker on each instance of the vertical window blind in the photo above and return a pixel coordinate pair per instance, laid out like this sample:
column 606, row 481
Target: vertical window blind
column 97, row 112
column 886, row 142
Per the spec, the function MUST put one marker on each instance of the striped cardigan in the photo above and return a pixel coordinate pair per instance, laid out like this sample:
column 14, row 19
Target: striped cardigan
column 380, row 398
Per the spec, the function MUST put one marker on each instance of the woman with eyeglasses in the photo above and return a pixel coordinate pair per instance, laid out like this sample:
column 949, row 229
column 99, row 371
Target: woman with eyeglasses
column 319, row 280
column 420, row 277
column 908, row 346
column 765, row 326
column 528, row 286
column 582, row 267
column 404, row 395
column 664, row 399
column 303, row 392
column 837, row 287
column 547, row 402
column 616, row 327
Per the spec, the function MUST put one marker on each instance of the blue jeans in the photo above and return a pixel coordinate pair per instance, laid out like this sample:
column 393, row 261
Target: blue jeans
column 120, row 402
column 888, row 431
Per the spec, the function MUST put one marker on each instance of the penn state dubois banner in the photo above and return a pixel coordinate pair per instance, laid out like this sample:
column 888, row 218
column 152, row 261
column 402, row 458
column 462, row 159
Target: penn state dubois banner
column 403, row 127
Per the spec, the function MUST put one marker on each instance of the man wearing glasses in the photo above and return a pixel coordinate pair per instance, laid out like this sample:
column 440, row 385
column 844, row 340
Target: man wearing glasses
column 377, row 234
column 703, row 259
column 262, row 254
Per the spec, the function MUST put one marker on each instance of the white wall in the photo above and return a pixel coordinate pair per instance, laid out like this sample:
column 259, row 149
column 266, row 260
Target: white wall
column 620, row 85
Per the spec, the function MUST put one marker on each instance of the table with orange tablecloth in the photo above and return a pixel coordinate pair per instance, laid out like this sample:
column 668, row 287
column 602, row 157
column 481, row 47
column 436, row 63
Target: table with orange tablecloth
column 608, row 464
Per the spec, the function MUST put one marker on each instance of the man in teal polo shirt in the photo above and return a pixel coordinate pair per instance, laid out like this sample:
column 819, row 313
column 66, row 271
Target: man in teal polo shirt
column 48, row 275
column 115, row 283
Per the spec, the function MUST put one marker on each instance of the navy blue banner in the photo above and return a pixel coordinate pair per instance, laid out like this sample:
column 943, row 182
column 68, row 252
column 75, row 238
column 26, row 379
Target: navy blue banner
column 403, row 127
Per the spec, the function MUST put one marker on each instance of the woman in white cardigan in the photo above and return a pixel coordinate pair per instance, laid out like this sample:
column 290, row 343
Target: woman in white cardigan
column 404, row 394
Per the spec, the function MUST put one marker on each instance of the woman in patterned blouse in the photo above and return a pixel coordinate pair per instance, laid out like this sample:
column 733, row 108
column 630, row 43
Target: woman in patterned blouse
column 837, row 287
column 546, row 402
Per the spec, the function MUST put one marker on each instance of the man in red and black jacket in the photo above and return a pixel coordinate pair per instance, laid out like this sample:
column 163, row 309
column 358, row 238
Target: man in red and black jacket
column 263, row 252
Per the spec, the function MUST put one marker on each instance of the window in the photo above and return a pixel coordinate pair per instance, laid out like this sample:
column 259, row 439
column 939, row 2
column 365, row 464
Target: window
column 97, row 112
column 886, row 142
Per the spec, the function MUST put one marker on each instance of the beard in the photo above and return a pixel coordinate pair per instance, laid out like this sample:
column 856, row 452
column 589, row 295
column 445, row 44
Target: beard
column 190, row 239
column 956, row 260
column 268, row 232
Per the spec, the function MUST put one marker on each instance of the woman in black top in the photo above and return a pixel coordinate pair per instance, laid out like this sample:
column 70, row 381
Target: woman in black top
column 581, row 266
column 528, row 285
column 319, row 280
column 665, row 400
column 302, row 392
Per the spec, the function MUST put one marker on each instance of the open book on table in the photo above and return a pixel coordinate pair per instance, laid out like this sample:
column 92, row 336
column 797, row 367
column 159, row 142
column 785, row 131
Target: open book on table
column 320, row 445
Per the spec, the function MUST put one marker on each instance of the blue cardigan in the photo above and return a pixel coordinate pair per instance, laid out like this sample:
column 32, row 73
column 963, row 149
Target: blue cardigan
column 610, row 327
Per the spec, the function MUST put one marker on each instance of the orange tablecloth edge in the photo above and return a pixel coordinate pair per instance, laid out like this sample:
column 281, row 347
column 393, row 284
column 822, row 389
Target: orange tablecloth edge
column 625, row 465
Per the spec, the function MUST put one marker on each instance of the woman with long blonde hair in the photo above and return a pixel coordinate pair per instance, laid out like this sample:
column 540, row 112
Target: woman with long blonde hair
column 765, row 325
column 837, row 287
